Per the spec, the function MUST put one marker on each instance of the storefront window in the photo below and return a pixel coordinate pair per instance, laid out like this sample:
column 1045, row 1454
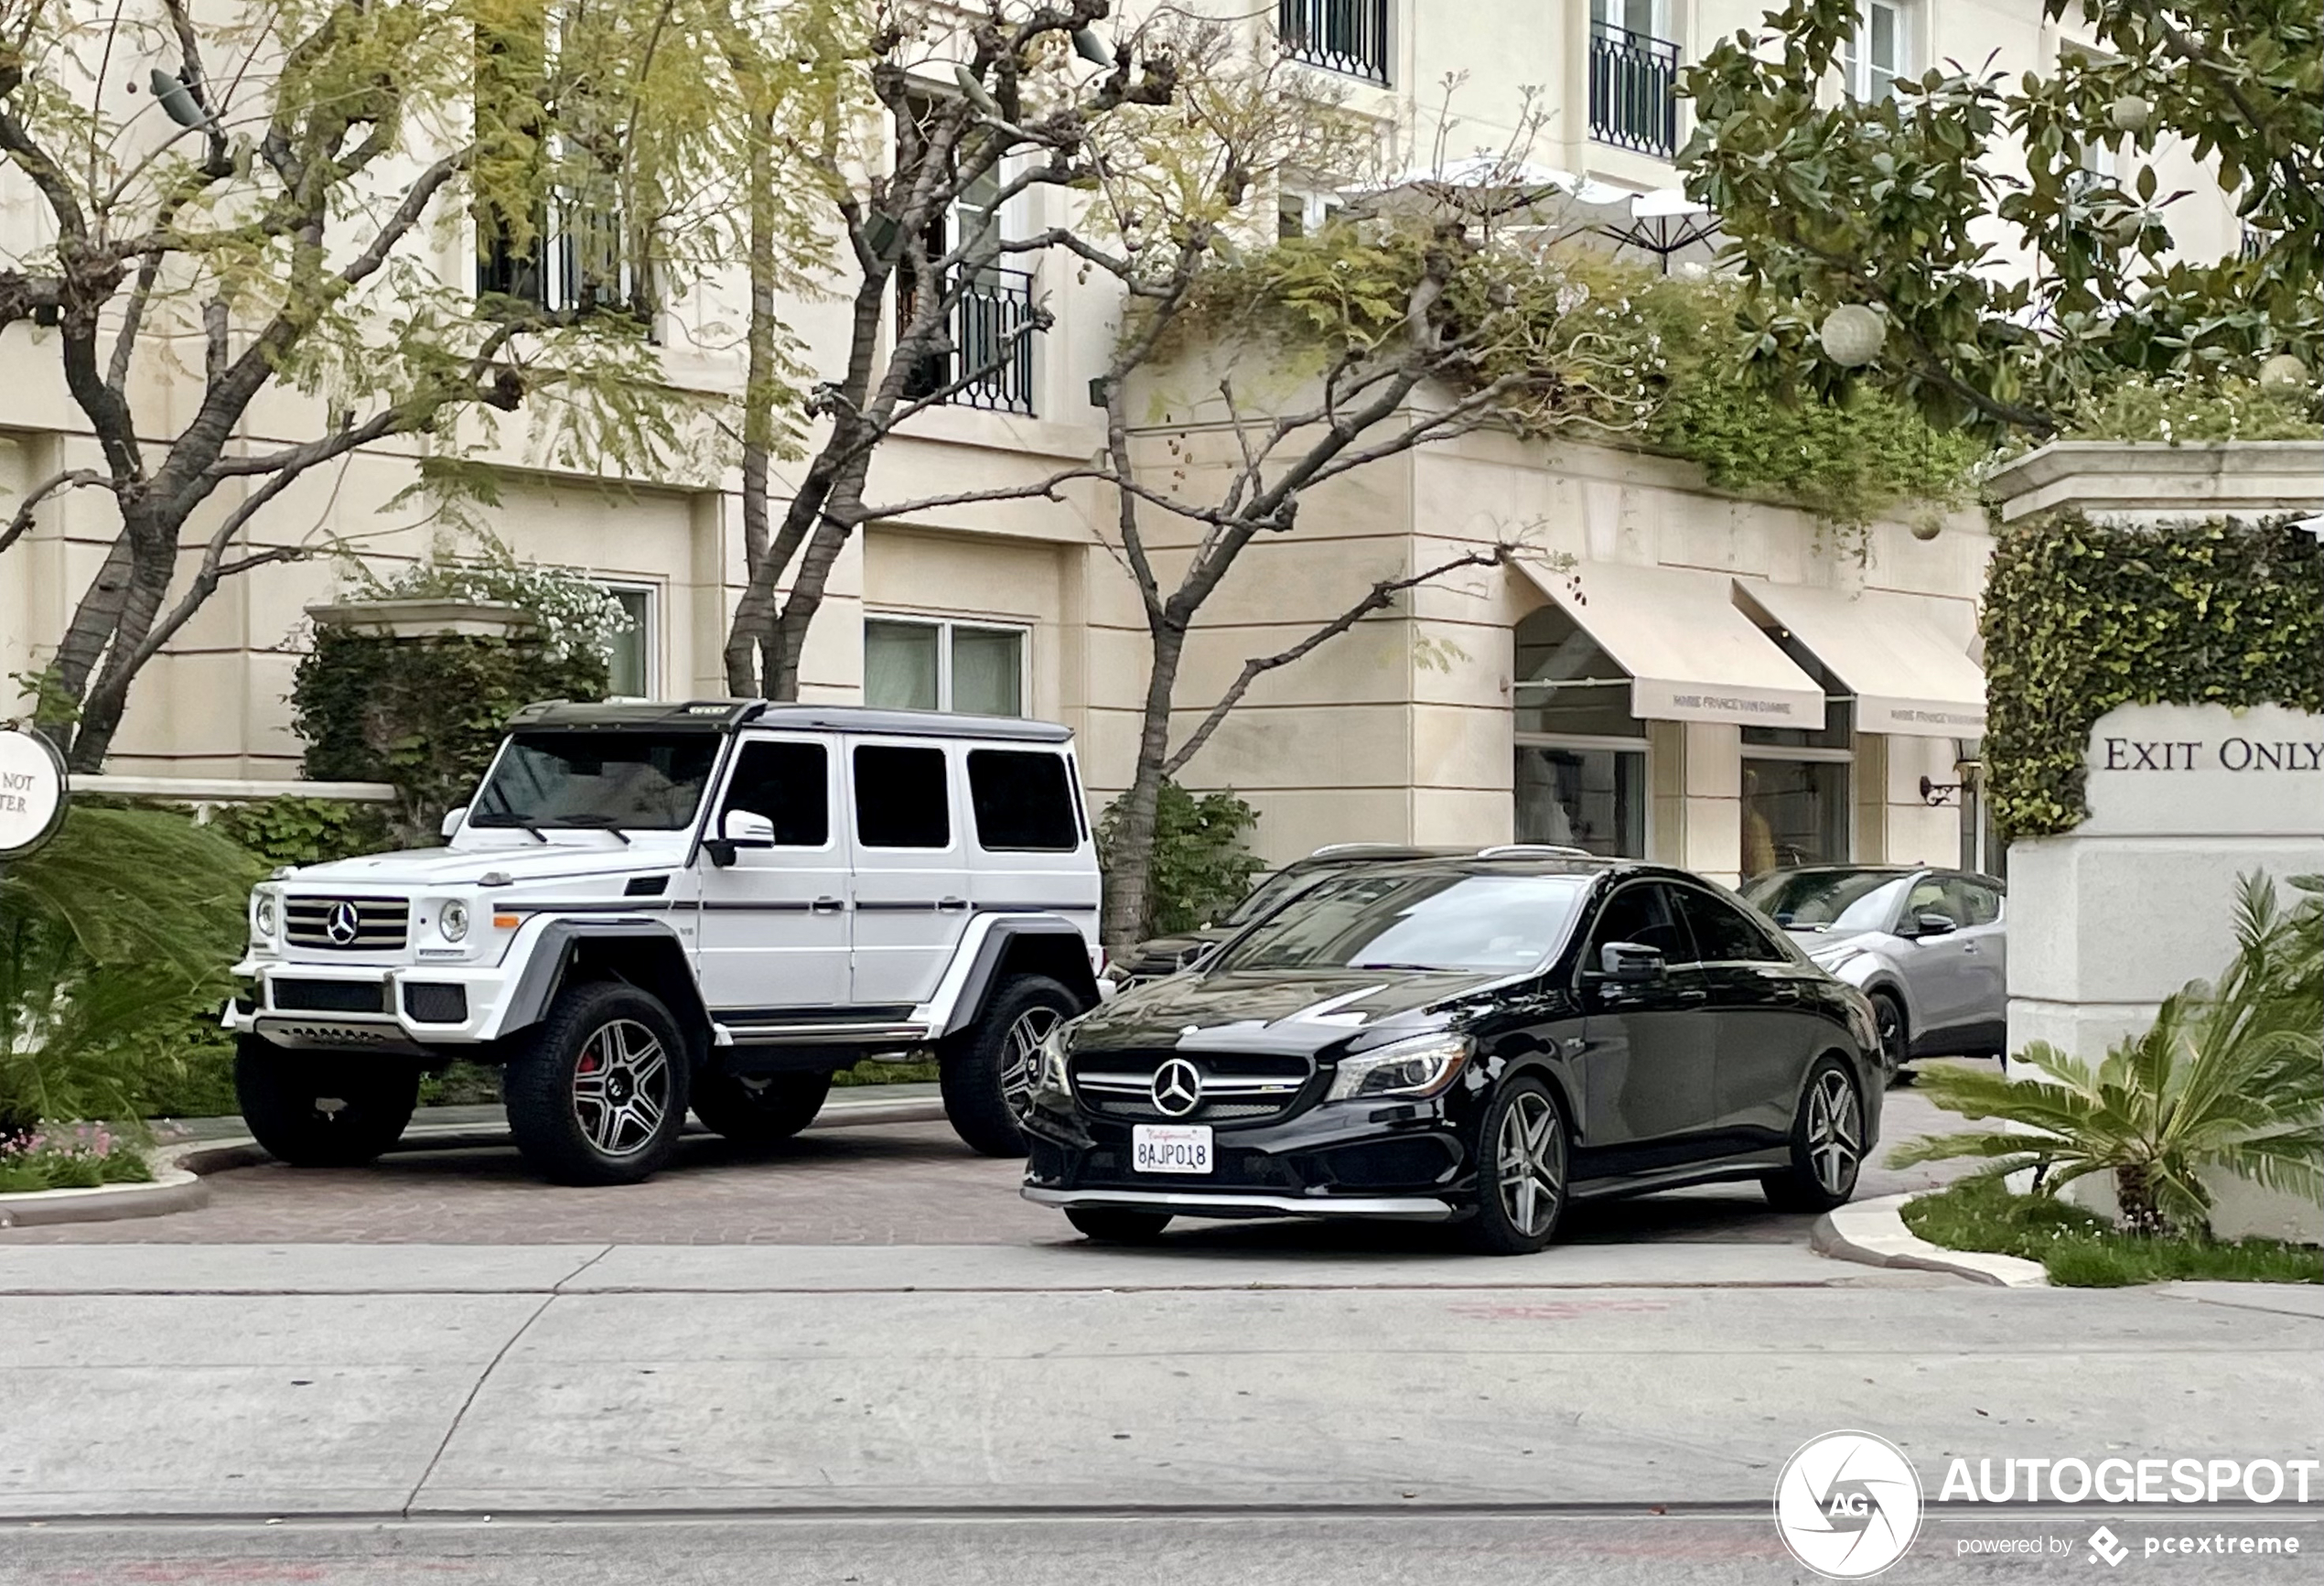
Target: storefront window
column 1582, row 798
column 1795, row 803
column 1581, row 755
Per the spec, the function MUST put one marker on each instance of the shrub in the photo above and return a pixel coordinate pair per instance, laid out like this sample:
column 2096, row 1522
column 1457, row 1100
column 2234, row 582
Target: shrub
column 77, row 1158
column 294, row 830
column 107, row 936
column 1202, row 865
column 2229, row 1076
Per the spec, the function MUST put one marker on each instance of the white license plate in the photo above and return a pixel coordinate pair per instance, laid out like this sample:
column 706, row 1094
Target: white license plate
column 1170, row 1147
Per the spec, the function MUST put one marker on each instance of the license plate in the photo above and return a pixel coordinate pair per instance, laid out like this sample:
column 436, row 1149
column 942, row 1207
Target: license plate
column 1170, row 1147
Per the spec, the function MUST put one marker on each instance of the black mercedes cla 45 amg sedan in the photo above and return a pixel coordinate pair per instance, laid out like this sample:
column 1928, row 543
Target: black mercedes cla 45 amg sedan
column 1477, row 1041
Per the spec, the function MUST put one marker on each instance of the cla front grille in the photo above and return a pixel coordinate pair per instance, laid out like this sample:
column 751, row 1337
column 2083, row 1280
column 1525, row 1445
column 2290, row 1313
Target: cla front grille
column 346, row 925
column 331, row 995
column 1228, row 1088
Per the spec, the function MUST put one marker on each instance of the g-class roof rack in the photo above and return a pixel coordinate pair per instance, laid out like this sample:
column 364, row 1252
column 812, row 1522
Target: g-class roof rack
column 1534, row 851
column 726, row 715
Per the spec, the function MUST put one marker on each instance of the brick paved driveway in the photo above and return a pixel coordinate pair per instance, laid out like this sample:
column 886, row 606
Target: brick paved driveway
column 885, row 1183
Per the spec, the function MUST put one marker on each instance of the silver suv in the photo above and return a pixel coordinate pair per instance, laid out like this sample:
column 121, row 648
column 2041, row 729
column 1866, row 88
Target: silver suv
column 715, row 905
column 1929, row 946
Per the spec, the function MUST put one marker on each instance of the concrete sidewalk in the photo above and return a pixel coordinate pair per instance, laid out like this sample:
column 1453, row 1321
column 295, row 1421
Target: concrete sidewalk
column 413, row 1380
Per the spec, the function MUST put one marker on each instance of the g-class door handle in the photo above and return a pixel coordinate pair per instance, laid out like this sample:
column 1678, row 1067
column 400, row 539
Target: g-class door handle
column 825, row 906
column 951, row 905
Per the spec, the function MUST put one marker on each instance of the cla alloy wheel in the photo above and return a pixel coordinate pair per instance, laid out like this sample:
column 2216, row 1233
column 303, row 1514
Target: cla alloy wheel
column 1827, row 1144
column 1521, row 1159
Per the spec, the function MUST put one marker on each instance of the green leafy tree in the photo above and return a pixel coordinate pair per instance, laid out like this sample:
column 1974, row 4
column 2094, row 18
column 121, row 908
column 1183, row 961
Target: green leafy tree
column 2229, row 1076
column 1201, row 865
column 1890, row 203
column 107, row 935
column 242, row 209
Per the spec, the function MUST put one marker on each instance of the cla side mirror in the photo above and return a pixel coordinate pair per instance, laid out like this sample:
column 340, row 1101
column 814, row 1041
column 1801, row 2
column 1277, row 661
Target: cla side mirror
column 1932, row 925
column 739, row 829
column 1632, row 961
column 450, row 825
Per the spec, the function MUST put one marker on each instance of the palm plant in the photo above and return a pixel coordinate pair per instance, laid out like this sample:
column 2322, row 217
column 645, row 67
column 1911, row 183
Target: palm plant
column 111, row 938
column 2229, row 1076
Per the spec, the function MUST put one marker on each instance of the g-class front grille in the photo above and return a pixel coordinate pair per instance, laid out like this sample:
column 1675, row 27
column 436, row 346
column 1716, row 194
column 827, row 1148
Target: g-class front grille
column 1230, row 1087
column 348, row 924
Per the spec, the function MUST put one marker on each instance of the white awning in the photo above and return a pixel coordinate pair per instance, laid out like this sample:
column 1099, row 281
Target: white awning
column 1906, row 677
column 1691, row 654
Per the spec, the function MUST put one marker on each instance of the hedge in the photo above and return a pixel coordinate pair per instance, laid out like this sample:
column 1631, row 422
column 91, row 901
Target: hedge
column 2081, row 618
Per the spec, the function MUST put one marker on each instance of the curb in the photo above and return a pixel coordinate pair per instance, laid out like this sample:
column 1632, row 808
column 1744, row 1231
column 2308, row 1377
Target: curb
column 172, row 1188
column 1873, row 1233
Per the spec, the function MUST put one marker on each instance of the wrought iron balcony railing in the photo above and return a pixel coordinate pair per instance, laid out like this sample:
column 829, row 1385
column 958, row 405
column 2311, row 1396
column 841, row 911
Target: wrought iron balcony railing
column 1634, row 90
column 1345, row 35
column 992, row 356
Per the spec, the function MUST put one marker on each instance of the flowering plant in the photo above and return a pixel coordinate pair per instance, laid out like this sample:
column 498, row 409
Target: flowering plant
column 69, row 1157
column 571, row 614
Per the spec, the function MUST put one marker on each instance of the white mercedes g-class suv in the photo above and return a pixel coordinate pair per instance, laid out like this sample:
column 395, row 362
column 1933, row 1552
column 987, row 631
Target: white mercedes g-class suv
column 715, row 905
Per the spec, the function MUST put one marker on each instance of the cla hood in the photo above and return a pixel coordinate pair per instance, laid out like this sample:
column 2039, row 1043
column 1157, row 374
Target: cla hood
column 595, row 854
column 1163, row 953
column 1267, row 1012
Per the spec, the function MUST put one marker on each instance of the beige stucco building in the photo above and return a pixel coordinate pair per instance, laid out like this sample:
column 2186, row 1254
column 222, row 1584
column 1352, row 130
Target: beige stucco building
column 1676, row 673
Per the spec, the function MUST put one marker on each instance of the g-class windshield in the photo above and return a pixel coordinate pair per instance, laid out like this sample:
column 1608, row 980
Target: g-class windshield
column 578, row 781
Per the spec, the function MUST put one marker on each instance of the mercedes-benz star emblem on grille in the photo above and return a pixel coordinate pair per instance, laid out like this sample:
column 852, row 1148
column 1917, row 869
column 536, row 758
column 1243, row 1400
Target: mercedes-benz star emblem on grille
column 1178, row 1088
column 342, row 923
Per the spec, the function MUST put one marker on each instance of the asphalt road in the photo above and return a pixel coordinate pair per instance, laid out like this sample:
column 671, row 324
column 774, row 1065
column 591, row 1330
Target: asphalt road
column 1356, row 1550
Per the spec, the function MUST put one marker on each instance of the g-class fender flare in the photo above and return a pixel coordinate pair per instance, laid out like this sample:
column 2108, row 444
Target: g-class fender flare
column 663, row 966
column 997, row 946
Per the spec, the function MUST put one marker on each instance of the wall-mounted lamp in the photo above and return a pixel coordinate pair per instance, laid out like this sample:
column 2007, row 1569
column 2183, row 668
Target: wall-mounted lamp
column 1964, row 770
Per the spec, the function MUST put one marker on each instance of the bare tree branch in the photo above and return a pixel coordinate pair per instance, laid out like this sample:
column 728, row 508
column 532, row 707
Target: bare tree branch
column 20, row 523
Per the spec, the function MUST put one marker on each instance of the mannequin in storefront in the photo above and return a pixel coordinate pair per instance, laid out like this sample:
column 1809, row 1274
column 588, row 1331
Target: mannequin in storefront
column 1759, row 837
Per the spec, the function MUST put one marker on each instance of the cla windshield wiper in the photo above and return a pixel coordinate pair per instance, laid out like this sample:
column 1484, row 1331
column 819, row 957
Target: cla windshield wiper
column 1415, row 969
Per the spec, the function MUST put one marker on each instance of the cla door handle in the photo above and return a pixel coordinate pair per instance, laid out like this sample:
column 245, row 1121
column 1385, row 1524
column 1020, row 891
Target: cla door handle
column 1693, row 996
column 1969, row 947
column 951, row 905
column 825, row 906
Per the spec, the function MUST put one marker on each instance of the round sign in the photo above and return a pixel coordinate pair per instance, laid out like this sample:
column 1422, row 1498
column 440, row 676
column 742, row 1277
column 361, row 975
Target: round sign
column 33, row 786
column 1848, row 1504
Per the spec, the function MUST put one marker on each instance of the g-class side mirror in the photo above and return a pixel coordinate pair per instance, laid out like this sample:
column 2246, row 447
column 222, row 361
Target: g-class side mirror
column 739, row 829
column 451, row 823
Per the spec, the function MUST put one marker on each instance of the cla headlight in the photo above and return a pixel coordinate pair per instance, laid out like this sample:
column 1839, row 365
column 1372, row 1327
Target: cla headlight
column 452, row 921
column 263, row 915
column 1420, row 1067
column 1048, row 1065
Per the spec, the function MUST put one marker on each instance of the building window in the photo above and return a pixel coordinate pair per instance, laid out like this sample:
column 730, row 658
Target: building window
column 991, row 358
column 1300, row 213
column 917, row 664
column 579, row 258
column 631, row 655
column 1797, row 781
column 1633, row 78
column 1581, row 755
column 1876, row 54
column 1344, row 35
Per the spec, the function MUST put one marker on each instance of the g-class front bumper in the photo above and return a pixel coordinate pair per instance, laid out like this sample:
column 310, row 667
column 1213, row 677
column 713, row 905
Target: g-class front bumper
column 400, row 1009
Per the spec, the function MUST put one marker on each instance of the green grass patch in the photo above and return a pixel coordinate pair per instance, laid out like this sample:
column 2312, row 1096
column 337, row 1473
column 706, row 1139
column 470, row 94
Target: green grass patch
column 886, row 1073
column 2081, row 1250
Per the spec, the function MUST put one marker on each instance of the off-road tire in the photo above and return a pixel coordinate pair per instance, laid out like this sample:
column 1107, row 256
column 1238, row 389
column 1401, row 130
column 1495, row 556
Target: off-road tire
column 1524, row 1116
column 759, row 1110
column 1803, row 1186
column 594, row 1028
column 977, row 1068
column 318, row 1109
column 1117, row 1226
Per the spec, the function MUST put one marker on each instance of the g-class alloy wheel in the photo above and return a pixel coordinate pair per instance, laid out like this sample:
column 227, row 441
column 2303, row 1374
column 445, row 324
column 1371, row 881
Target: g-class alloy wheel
column 598, row 1092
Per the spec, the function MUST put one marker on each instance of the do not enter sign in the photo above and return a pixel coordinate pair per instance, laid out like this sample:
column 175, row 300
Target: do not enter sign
column 32, row 792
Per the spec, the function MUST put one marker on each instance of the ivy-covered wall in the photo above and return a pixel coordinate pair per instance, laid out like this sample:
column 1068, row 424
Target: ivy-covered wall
column 2082, row 617
column 425, row 714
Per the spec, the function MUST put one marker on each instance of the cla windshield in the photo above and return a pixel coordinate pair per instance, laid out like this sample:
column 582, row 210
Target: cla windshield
column 644, row 780
column 1834, row 901
column 1457, row 923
